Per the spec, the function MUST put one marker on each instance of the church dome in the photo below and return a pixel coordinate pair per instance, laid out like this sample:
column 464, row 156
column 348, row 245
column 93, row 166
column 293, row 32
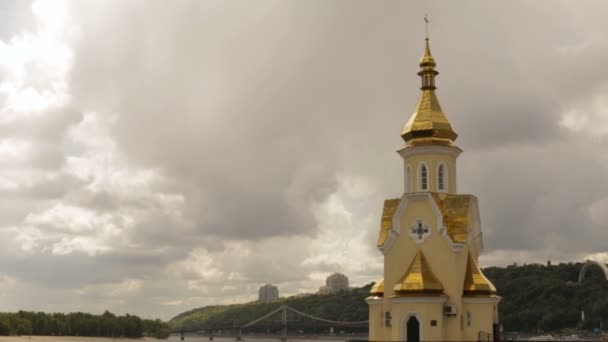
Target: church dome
column 428, row 125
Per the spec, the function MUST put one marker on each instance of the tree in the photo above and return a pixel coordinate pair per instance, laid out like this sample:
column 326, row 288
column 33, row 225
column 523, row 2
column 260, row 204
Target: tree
column 23, row 327
column 4, row 325
column 76, row 324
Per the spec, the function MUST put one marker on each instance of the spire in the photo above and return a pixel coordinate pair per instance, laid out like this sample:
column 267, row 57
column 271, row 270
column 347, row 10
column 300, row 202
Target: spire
column 427, row 62
column 428, row 125
column 378, row 288
column 475, row 282
column 427, row 68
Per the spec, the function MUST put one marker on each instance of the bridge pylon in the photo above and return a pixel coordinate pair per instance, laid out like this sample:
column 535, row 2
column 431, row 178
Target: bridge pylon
column 284, row 323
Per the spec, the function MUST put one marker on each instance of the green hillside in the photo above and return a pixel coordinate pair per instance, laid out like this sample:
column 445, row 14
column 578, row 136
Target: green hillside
column 344, row 306
column 535, row 297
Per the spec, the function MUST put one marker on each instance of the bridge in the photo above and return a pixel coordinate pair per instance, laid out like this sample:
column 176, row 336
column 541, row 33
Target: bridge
column 583, row 271
column 289, row 318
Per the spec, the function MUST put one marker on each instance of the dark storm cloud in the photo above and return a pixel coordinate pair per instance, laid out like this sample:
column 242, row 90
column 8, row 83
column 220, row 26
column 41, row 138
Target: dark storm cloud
column 243, row 140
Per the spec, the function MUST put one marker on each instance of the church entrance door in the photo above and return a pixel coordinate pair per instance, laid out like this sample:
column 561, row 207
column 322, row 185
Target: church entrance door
column 413, row 329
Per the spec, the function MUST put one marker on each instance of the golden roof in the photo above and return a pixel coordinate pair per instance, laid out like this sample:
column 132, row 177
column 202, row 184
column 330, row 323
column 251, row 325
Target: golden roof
column 378, row 288
column 386, row 223
column 418, row 278
column 455, row 212
column 428, row 125
column 474, row 280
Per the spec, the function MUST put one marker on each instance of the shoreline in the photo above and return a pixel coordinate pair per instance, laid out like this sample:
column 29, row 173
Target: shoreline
column 69, row 339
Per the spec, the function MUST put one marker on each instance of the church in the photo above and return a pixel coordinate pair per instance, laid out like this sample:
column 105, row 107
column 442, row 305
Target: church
column 433, row 288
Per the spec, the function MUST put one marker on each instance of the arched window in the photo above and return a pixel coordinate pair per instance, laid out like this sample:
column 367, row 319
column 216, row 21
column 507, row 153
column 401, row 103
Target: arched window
column 441, row 179
column 408, row 179
column 424, row 178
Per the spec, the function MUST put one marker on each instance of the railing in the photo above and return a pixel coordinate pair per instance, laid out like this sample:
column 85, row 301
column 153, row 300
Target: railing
column 323, row 319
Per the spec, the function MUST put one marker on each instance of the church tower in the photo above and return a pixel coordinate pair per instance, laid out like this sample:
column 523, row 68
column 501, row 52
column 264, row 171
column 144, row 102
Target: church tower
column 432, row 288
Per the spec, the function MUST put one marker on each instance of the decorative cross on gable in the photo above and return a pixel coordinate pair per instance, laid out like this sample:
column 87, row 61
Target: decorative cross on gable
column 419, row 231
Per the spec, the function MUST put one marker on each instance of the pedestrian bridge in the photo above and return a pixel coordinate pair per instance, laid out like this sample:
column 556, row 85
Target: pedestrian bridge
column 282, row 318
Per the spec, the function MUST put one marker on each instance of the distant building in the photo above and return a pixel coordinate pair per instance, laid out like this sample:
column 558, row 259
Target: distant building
column 268, row 293
column 335, row 283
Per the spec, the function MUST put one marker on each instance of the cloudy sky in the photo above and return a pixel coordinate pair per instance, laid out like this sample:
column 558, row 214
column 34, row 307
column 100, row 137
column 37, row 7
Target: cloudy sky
column 157, row 156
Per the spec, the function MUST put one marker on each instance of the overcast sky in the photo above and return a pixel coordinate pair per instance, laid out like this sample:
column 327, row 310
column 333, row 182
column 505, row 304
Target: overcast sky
column 157, row 156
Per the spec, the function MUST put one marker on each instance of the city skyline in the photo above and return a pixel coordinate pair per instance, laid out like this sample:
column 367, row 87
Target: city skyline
column 157, row 157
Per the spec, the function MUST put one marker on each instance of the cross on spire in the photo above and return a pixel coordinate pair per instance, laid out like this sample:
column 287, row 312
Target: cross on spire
column 426, row 25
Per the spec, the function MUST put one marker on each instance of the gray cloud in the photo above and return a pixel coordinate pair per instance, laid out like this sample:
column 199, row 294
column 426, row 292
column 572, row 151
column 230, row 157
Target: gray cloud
column 193, row 150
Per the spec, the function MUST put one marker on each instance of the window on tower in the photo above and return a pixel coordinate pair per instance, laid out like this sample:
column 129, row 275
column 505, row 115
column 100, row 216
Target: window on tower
column 441, row 178
column 424, row 178
column 387, row 319
column 408, row 179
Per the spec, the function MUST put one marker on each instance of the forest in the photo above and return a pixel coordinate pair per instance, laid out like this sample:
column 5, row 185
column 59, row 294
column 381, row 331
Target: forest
column 81, row 324
column 536, row 297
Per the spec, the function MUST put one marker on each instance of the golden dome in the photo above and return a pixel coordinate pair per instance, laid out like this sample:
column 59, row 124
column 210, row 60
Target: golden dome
column 428, row 125
column 427, row 60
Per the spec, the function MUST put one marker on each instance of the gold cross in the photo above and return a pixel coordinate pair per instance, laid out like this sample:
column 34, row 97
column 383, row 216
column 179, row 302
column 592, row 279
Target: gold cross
column 426, row 25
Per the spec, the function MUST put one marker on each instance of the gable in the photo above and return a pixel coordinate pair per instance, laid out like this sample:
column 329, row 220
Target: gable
column 455, row 212
column 386, row 222
column 457, row 219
